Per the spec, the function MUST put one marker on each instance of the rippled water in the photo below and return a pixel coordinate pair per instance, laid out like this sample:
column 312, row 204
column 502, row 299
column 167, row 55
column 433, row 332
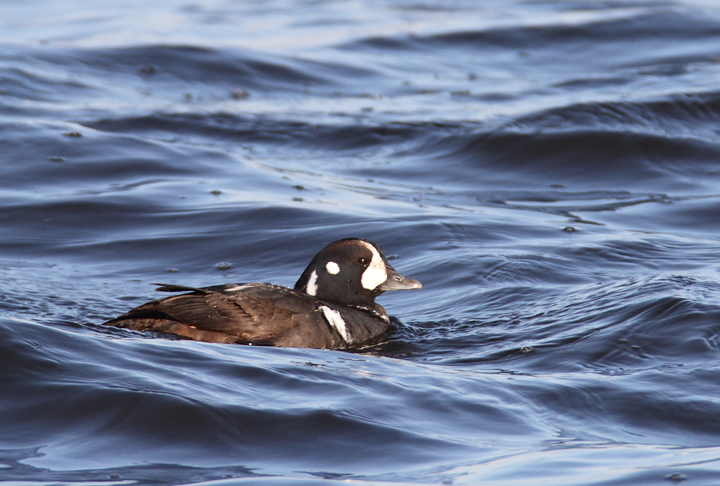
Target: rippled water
column 549, row 170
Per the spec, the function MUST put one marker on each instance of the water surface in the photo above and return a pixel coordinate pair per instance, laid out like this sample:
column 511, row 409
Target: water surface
column 550, row 171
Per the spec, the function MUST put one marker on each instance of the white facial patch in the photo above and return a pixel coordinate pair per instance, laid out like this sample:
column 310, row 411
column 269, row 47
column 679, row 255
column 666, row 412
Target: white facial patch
column 332, row 268
column 375, row 273
column 336, row 321
column 312, row 284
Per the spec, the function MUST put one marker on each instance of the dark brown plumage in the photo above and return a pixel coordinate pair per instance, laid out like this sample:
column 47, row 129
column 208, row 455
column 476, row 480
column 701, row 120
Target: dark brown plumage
column 332, row 305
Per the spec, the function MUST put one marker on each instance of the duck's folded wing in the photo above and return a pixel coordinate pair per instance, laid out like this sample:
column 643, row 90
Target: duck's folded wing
column 256, row 313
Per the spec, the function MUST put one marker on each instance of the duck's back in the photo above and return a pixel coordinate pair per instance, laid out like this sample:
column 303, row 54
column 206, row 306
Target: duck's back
column 261, row 314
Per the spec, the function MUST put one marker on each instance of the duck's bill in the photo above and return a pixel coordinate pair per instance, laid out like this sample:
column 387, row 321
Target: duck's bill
column 395, row 281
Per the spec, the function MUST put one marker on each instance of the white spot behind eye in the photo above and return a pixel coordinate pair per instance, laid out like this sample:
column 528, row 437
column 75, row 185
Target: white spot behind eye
column 375, row 273
column 332, row 268
column 312, row 284
column 336, row 321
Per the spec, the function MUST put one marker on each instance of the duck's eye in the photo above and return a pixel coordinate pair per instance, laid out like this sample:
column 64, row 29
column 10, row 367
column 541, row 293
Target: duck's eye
column 362, row 261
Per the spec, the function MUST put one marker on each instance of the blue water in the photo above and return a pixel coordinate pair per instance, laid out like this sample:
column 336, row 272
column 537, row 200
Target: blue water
column 549, row 170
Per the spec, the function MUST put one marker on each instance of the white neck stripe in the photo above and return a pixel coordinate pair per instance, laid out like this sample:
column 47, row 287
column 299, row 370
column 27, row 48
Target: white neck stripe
column 312, row 284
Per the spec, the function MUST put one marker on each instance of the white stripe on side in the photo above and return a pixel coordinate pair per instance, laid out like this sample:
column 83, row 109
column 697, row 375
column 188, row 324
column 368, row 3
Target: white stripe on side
column 237, row 287
column 336, row 321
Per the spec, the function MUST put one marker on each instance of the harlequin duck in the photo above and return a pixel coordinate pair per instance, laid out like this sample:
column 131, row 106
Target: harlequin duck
column 332, row 305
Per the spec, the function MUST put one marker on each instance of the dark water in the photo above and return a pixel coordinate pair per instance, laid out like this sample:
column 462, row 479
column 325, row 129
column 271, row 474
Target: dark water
column 550, row 171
